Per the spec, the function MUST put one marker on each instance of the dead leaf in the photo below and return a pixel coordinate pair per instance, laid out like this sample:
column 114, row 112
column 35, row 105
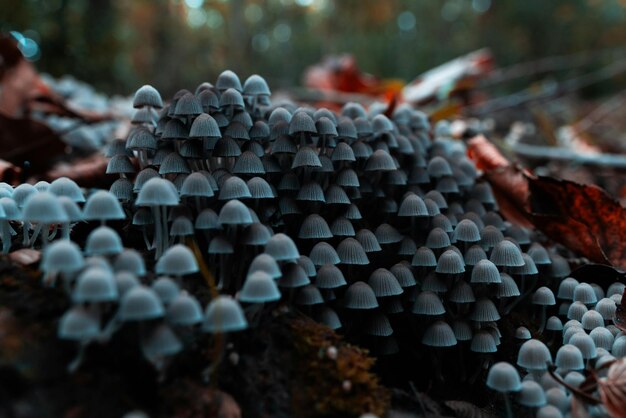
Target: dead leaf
column 25, row 139
column 585, row 218
column 612, row 389
column 510, row 188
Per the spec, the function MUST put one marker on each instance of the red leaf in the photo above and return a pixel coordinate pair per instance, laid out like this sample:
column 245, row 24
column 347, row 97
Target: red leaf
column 585, row 218
column 339, row 73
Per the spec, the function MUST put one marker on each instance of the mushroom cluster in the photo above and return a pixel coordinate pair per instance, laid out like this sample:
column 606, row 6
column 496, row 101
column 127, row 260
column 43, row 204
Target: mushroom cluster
column 585, row 345
column 371, row 223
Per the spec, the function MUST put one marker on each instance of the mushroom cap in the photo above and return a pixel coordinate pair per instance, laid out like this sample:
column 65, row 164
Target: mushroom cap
column 309, row 295
column 166, row 289
column 506, row 254
column 259, row 287
column 569, row 357
column 293, row 276
column 224, row 314
column 184, row 310
column 125, row 281
column 483, row 342
column 328, row 317
column 228, row 79
column 103, row 241
column 531, row 395
column 103, row 205
column 368, row 240
column 95, row 285
column 428, row 303
column 234, row 212
column 534, row 355
column 147, row 95
column 504, row 378
column 329, row 277
column 314, row 227
column 466, row 231
column 384, row 283
column 282, row 248
column 485, row 272
column 62, row 256
column 450, row 262
column 43, row 207
column 157, row 192
column 64, row 186
column 439, row 334
column 255, row 85
column 265, row 263
column 360, row 296
column 543, row 296
column 139, row 304
column 351, row 252
column 78, row 324
column 177, row 260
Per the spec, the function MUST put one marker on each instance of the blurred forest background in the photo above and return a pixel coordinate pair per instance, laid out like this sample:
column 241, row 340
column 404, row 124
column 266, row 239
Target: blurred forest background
column 116, row 45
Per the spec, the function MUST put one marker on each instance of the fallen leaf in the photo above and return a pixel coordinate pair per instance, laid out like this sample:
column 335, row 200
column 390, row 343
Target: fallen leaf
column 612, row 389
column 510, row 188
column 585, row 218
column 24, row 139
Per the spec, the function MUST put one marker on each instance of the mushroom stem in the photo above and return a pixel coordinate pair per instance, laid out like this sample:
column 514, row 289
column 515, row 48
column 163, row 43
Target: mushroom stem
column 543, row 319
column 75, row 364
column 65, row 230
column 25, row 239
column 45, row 235
column 508, row 406
column 36, row 232
column 5, row 233
column 158, row 233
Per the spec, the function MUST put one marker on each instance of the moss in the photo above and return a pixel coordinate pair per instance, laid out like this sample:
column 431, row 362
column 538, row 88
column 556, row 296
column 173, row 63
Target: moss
column 318, row 388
